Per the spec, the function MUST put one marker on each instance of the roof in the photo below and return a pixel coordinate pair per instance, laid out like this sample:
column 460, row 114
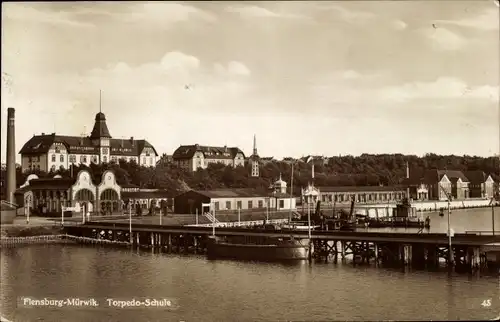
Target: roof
column 210, row 152
column 100, row 129
column 146, row 194
column 231, row 193
column 361, row 189
column 78, row 145
column 51, row 183
column 476, row 177
column 453, row 175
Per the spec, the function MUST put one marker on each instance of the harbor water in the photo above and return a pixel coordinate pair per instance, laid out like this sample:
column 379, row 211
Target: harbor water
column 202, row 290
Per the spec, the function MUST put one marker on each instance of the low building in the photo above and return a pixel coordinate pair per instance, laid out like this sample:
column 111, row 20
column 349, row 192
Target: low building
column 133, row 195
column 361, row 194
column 192, row 157
column 47, row 195
column 230, row 200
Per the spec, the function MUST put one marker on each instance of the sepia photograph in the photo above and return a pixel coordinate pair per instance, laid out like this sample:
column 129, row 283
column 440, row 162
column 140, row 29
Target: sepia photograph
column 250, row 161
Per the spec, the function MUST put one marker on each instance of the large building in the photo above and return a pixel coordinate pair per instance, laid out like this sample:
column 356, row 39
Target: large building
column 49, row 152
column 192, row 157
column 439, row 184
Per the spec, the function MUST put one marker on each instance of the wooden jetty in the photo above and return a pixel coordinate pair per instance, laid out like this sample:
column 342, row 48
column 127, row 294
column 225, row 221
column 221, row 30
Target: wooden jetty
column 418, row 250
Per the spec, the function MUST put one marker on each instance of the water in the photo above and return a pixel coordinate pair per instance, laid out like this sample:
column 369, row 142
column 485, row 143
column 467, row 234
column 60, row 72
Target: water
column 235, row 291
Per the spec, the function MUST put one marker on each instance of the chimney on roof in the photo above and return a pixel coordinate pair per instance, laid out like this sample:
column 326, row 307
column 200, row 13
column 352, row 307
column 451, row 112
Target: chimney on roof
column 225, row 148
column 43, row 133
column 132, row 140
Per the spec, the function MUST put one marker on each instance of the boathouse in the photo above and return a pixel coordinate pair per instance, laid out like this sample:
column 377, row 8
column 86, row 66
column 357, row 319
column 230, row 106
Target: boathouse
column 230, row 200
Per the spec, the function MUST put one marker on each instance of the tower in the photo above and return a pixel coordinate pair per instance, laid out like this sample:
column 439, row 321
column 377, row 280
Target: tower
column 254, row 159
column 100, row 135
column 11, row 155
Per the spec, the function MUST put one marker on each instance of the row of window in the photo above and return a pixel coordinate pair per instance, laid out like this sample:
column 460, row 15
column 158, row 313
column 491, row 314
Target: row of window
column 83, row 159
column 363, row 197
column 260, row 204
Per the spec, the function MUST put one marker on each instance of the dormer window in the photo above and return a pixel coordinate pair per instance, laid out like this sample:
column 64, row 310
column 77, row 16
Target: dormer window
column 58, row 149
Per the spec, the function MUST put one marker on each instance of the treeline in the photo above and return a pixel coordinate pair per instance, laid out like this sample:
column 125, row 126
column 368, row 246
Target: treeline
column 364, row 170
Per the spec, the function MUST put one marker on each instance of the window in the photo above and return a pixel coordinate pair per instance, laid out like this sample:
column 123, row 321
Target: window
column 105, row 151
column 53, row 158
column 282, row 204
column 53, row 168
column 216, row 205
column 58, row 149
column 84, row 159
column 228, row 205
column 105, row 159
column 250, row 204
column 94, row 159
column 61, row 158
column 261, row 204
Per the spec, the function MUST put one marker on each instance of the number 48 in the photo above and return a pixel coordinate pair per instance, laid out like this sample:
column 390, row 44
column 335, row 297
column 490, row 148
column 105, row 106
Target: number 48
column 486, row 303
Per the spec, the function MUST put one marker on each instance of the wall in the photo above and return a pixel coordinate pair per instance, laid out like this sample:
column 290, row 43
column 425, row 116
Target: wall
column 183, row 205
column 233, row 201
column 37, row 162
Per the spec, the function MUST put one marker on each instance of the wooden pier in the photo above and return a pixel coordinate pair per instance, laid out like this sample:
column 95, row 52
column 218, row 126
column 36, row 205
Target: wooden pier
column 417, row 250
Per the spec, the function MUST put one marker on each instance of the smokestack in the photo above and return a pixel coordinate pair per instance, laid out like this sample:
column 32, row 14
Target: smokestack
column 11, row 155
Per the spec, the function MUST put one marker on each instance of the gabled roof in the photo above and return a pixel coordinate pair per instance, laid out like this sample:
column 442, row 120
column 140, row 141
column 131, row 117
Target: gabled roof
column 210, row 152
column 453, row 175
column 476, row 177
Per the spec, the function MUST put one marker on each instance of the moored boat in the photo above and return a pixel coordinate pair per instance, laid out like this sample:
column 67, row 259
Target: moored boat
column 257, row 248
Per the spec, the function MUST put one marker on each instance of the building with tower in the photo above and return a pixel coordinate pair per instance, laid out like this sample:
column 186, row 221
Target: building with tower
column 49, row 152
column 254, row 159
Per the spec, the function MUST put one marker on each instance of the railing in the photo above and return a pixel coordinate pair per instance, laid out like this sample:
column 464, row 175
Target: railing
column 8, row 204
column 211, row 217
column 242, row 223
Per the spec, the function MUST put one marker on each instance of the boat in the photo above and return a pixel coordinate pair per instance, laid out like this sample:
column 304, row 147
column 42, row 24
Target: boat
column 257, row 248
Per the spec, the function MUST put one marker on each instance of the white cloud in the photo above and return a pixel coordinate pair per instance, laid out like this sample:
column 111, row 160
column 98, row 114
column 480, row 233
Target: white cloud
column 259, row 12
column 33, row 13
column 487, row 20
column 442, row 88
column 350, row 15
column 443, row 39
column 165, row 13
column 399, row 24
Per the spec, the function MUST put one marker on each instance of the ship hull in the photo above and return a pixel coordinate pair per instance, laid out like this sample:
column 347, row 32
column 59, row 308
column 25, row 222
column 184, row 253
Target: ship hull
column 286, row 252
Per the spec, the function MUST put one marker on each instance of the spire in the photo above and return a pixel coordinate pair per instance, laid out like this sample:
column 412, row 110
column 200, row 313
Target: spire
column 100, row 100
column 254, row 145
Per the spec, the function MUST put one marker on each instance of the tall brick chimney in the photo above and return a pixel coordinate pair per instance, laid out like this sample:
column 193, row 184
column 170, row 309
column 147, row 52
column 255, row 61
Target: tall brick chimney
column 11, row 155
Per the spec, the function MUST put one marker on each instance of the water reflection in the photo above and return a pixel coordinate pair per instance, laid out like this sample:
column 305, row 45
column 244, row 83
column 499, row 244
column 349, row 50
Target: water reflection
column 229, row 290
column 242, row 291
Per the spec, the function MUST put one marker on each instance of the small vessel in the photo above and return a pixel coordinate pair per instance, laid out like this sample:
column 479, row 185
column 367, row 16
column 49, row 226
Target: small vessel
column 258, row 248
column 267, row 249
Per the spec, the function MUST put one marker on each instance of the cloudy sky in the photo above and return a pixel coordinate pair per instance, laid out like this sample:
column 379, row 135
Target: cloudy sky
column 323, row 78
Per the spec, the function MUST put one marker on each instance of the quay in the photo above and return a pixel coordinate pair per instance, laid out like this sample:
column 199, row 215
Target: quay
column 470, row 252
